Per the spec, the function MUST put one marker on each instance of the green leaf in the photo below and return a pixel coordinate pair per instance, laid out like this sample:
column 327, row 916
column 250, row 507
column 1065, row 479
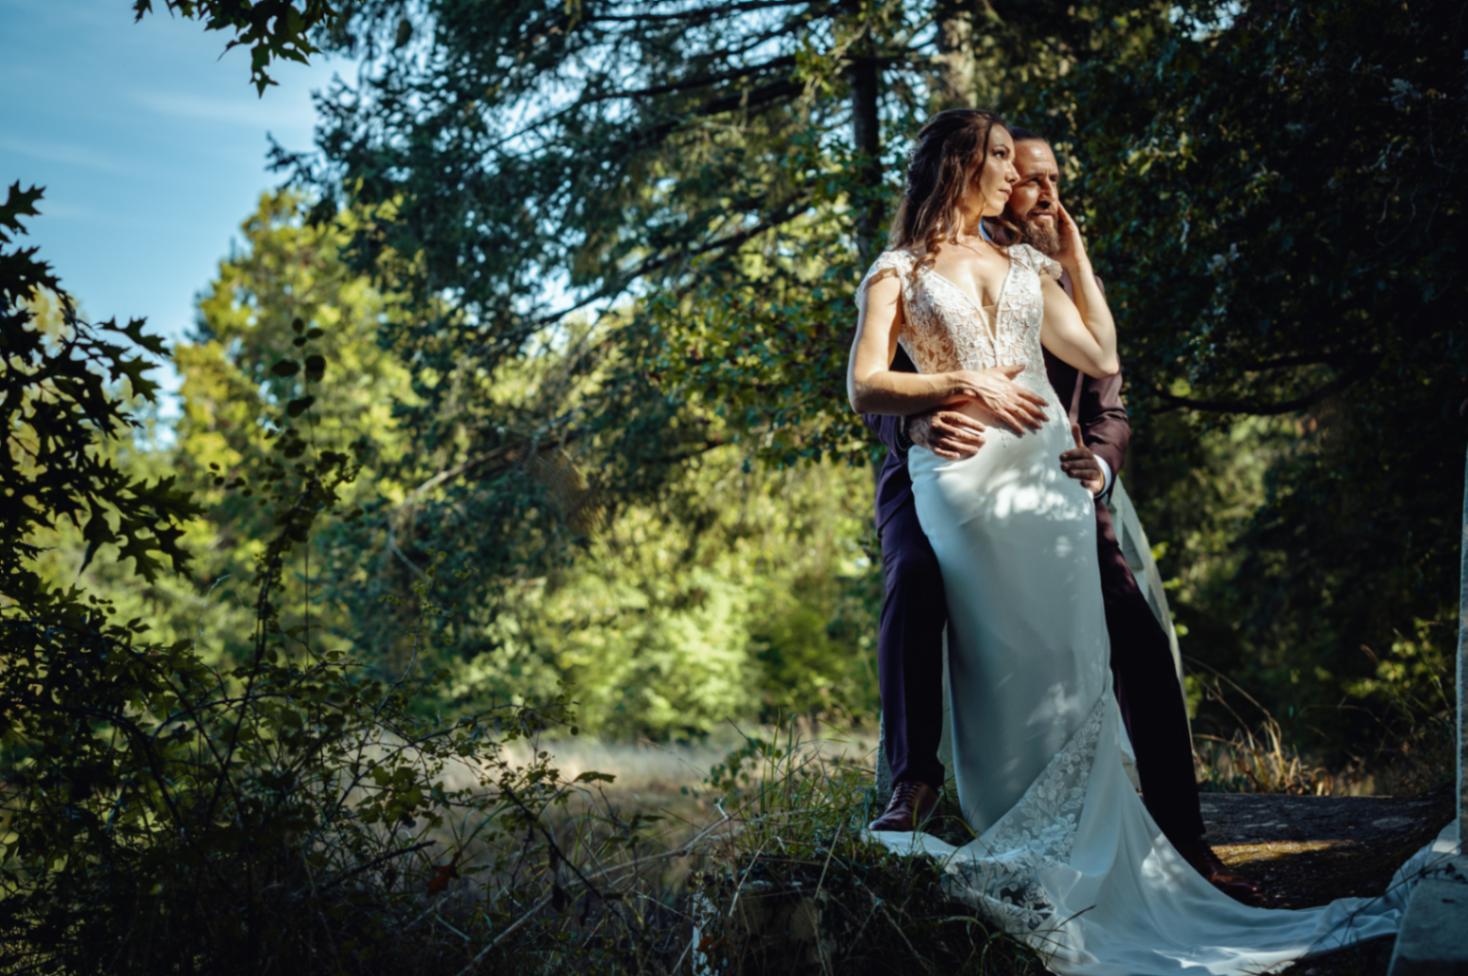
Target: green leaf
column 592, row 776
column 98, row 532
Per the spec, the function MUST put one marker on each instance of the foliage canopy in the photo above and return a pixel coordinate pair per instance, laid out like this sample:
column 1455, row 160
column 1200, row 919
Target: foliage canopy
column 681, row 195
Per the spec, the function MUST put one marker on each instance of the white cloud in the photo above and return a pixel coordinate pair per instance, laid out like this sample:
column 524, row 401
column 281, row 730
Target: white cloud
column 59, row 152
column 69, row 211
column 279, row 116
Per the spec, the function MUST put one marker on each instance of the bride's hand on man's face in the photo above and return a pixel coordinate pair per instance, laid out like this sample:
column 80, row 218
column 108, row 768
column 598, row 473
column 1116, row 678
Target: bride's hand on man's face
column 1072, row 244
column 1003, row 402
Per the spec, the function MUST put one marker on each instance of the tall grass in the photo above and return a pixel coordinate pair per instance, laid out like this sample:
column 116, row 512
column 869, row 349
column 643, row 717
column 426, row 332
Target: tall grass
column 1414, row 756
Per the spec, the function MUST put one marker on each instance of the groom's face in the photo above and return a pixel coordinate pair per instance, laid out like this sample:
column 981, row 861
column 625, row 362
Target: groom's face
column 1035, row 203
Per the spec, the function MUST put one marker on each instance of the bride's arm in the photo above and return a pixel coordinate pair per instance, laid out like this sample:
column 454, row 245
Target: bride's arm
column 1079, row 332
column 1086, row 339
column 872, row 385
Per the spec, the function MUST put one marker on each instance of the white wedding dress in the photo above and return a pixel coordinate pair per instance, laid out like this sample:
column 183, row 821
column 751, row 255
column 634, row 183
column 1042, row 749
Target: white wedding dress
column 1066, row 857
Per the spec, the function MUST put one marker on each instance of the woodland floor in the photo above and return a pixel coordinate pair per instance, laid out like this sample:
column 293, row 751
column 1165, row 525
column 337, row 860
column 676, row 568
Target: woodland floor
column 1305, row 850
column 1302, row 850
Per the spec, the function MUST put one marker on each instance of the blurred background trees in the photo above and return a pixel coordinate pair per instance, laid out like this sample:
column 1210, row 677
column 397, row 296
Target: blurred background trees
column 583, row 273
column 672, row 201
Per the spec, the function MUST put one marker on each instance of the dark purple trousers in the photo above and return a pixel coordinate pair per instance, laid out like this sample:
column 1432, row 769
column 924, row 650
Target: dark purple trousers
column 910, row 649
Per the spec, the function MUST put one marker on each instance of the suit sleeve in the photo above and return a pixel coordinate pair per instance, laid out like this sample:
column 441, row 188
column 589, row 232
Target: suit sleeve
column 889, row 431
column 1105, row 426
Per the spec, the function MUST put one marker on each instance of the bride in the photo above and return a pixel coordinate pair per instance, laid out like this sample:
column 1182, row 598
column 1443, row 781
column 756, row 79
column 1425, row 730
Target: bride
column 1065, row 855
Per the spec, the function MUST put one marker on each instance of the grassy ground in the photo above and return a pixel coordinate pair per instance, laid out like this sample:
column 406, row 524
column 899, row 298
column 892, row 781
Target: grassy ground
column 768, row 847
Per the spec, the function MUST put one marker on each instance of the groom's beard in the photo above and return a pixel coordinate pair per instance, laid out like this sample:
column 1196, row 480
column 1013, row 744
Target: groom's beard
column 1041, row 235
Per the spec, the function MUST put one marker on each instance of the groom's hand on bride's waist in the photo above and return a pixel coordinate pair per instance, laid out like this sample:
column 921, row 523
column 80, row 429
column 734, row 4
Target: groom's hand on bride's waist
column 947, row 433
column 1001, row 401
column 954, row 434
column 1085, row 465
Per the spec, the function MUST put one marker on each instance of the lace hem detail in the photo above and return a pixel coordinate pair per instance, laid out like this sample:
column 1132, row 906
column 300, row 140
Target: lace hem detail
column 1004, row 876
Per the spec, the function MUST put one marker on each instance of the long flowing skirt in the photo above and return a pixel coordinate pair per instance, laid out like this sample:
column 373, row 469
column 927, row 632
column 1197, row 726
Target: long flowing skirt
column 1066, row 856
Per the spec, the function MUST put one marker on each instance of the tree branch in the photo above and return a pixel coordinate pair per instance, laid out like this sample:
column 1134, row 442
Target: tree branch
column 695, row 16
column 1258, row 409
column 789, row 211
column 689, row 83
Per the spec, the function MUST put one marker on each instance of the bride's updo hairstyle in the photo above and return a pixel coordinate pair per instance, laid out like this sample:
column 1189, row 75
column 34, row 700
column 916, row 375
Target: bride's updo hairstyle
column 949, row 154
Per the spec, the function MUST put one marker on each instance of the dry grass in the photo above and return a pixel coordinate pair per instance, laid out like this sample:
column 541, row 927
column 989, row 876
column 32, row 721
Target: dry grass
column 1257, row 757
column 755, row 865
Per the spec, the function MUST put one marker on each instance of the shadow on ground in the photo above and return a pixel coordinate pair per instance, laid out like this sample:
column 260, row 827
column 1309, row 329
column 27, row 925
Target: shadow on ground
column 1306, row 850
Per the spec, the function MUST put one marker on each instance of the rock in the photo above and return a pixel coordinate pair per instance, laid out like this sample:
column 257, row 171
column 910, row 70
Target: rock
column 1434, row 937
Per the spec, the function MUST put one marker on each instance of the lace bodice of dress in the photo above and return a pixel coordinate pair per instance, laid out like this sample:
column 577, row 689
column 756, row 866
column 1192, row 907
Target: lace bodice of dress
column 944, row 329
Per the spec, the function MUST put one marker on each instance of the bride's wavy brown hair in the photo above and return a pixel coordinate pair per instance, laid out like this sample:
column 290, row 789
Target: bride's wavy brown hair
column 948, row 155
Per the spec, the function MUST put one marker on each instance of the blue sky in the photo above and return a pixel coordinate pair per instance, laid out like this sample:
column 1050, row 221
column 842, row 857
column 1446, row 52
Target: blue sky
column 151, row 147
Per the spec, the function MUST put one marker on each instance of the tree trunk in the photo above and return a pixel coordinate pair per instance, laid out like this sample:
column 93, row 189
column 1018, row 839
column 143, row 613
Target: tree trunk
column 866, row 78
column 957, row 85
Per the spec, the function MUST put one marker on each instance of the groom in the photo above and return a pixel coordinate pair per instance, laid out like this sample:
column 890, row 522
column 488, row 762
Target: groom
column 914, row 612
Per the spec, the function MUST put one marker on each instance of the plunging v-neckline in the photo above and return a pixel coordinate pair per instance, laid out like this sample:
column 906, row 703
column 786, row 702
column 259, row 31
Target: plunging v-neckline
column 993, row 328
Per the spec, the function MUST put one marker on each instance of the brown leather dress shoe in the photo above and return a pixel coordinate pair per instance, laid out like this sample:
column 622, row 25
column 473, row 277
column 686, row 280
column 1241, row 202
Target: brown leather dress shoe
column 1205, row 862
column 910, row 806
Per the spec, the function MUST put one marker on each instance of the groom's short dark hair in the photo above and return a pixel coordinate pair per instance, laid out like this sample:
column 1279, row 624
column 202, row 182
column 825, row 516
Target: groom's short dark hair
column 1023, row 135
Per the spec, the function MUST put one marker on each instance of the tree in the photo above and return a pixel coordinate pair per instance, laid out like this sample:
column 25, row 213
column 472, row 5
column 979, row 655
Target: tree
column 286, row 288
column 272, row 29
column 57, row 400
column 645, row 238
column 166, row 814
column 697, row 183
column 161, row 814
column 614, row 160
column 740, row 595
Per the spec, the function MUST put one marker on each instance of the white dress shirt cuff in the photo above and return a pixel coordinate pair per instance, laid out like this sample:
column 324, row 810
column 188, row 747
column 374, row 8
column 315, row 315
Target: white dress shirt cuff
column 1106, row 476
